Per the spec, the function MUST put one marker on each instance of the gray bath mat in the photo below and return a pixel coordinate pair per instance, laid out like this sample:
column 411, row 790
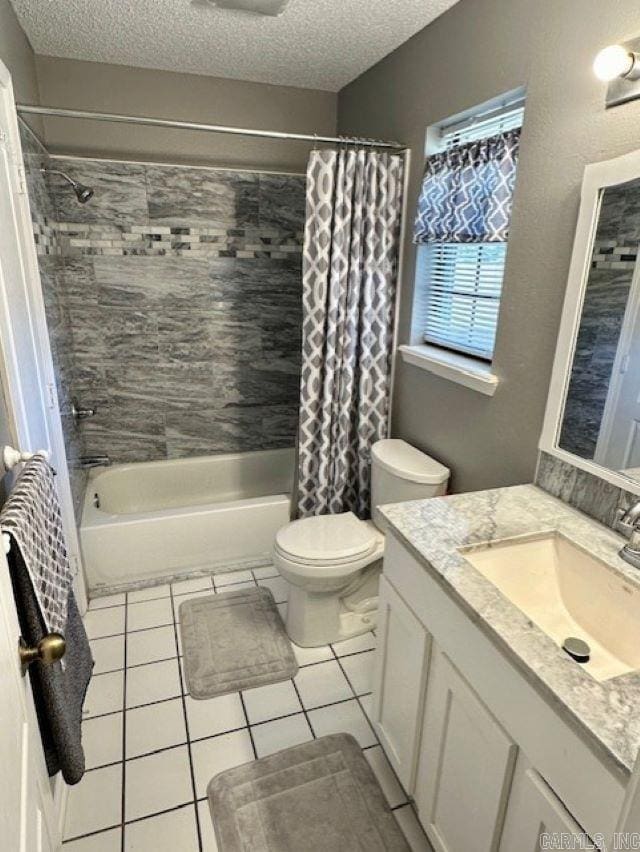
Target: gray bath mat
column 234, row 640
column 320, row 796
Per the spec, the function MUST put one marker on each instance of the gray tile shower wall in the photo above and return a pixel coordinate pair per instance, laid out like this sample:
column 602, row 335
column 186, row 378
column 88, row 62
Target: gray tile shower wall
column 183, row 290
column 56, row 302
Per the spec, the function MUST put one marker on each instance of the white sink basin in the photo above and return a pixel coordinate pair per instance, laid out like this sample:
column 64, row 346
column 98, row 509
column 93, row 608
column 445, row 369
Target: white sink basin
column 566, row 592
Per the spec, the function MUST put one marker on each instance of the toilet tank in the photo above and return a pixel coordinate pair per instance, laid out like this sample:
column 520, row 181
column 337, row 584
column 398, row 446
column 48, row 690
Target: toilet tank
column 400, row 472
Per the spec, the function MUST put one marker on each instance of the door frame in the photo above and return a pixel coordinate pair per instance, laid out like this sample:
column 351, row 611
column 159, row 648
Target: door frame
column 10, row 369
column 29, row 258
column 629, row 323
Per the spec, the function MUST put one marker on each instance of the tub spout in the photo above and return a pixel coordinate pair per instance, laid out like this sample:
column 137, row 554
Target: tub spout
column 94, row 461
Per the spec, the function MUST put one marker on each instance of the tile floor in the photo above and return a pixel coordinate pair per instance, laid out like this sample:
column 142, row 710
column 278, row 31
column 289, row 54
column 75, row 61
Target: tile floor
column 151, row 749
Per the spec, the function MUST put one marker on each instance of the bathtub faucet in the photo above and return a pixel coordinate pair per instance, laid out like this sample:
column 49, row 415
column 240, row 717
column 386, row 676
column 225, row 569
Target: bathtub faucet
column 94, row 461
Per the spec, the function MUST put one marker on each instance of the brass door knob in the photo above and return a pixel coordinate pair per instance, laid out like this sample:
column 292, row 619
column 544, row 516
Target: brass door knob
column 49, row 650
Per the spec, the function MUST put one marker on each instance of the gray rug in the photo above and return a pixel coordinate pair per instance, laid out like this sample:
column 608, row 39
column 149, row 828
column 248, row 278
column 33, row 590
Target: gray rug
column 320, row 796
column 234, row 640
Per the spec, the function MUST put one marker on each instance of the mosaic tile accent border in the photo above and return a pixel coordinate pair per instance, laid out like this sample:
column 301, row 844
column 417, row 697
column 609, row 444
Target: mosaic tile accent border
column 607, row 254
column 45, row 235
column 77, row 239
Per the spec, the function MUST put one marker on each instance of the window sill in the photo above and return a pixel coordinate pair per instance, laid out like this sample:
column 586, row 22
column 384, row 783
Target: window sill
column 453, row 366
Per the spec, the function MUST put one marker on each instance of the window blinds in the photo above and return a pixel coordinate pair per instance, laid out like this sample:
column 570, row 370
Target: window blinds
column 463, row 282
column 463, row 295
column 481, row 127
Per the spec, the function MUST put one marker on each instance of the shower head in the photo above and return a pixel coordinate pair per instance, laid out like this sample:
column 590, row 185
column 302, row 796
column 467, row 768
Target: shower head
column 83, row 193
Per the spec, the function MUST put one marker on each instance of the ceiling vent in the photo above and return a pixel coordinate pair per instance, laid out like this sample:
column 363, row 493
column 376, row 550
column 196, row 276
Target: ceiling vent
column 258, row 7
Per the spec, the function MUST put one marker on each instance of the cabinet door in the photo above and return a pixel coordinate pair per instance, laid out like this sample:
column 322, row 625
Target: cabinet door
column 465, row 765
column 533, row 811
column 399, row 680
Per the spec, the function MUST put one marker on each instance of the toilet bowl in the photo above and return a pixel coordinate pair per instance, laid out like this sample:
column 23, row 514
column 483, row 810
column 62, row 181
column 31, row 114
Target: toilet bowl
column 332, row 562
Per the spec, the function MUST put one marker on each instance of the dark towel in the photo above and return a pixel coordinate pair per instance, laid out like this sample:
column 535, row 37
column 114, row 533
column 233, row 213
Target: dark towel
column 58, row 693
column 32, row 516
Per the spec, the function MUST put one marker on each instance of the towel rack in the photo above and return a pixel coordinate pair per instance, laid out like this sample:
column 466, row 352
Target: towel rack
column 10, row 458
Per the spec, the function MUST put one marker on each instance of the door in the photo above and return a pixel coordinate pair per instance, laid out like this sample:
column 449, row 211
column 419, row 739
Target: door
column 30, row 421
column 465, row 765
column 22, row 379
column 27, row 819
column 399, row 682
column 536, row 819
column 26, row 366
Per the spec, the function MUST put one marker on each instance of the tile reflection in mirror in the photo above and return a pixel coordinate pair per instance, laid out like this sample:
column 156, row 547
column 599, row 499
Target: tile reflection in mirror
column 602, row 409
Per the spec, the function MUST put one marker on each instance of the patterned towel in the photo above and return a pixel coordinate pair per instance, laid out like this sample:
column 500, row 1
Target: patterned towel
column 31, row 515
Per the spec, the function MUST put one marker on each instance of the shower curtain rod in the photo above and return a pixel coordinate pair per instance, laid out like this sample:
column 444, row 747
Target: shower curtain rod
column 209, row 128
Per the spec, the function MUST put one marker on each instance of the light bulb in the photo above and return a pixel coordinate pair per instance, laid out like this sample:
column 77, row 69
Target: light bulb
column 613, row 61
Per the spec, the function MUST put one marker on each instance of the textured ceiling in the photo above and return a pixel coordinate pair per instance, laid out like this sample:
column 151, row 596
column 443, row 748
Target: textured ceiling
column 321, row 44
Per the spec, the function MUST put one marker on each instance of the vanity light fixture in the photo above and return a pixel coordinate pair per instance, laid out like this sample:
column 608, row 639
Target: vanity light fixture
column 616, row 61
column 619, row 66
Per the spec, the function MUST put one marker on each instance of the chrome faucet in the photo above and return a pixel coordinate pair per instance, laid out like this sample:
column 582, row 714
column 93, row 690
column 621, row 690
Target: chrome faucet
column 628, row 523
column 80, row 413
column 93, row 461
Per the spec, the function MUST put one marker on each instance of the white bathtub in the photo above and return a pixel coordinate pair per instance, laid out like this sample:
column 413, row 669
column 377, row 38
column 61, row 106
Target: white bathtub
column 156, row 519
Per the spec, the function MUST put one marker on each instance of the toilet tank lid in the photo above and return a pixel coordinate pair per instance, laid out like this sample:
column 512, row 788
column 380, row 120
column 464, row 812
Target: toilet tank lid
column 396, row 456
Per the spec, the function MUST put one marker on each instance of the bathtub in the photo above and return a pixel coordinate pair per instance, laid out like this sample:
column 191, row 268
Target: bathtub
column 150, row 520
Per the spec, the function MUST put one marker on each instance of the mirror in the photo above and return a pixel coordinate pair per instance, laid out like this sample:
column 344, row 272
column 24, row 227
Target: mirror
column 600, row 417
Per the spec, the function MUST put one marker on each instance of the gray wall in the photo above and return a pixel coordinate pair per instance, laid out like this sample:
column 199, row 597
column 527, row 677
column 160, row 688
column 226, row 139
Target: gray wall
column 477, row 50
column 117, row 88
column 17, row 55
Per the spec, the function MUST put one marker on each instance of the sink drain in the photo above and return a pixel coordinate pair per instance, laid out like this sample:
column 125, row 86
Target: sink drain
column 577, row 649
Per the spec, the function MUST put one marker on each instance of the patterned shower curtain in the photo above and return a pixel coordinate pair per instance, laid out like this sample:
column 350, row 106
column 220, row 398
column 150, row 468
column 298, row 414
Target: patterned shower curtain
column 354, row 206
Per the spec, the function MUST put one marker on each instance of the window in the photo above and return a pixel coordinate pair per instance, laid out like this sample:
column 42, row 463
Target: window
column 479, row 127
column 459, row 283
column 463, row 295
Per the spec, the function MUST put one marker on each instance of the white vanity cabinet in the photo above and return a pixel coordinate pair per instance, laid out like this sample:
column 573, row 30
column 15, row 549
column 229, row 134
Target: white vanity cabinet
column 534, row 810
column 489, row 762
column 465, row 765
column 401, row 672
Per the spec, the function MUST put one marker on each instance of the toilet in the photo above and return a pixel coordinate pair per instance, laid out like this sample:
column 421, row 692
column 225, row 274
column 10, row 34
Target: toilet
column 332, row 563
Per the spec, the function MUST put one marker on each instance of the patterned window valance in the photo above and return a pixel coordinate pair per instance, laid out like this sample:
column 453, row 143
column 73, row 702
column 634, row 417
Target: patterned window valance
column 467, row 192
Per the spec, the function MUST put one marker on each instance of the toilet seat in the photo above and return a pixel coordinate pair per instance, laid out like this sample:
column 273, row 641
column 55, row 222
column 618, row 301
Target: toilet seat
column 326, row 540
column 326, row 548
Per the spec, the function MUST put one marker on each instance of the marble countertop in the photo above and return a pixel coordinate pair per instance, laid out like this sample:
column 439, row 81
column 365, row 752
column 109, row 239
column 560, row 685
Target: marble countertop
column 606, row 714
